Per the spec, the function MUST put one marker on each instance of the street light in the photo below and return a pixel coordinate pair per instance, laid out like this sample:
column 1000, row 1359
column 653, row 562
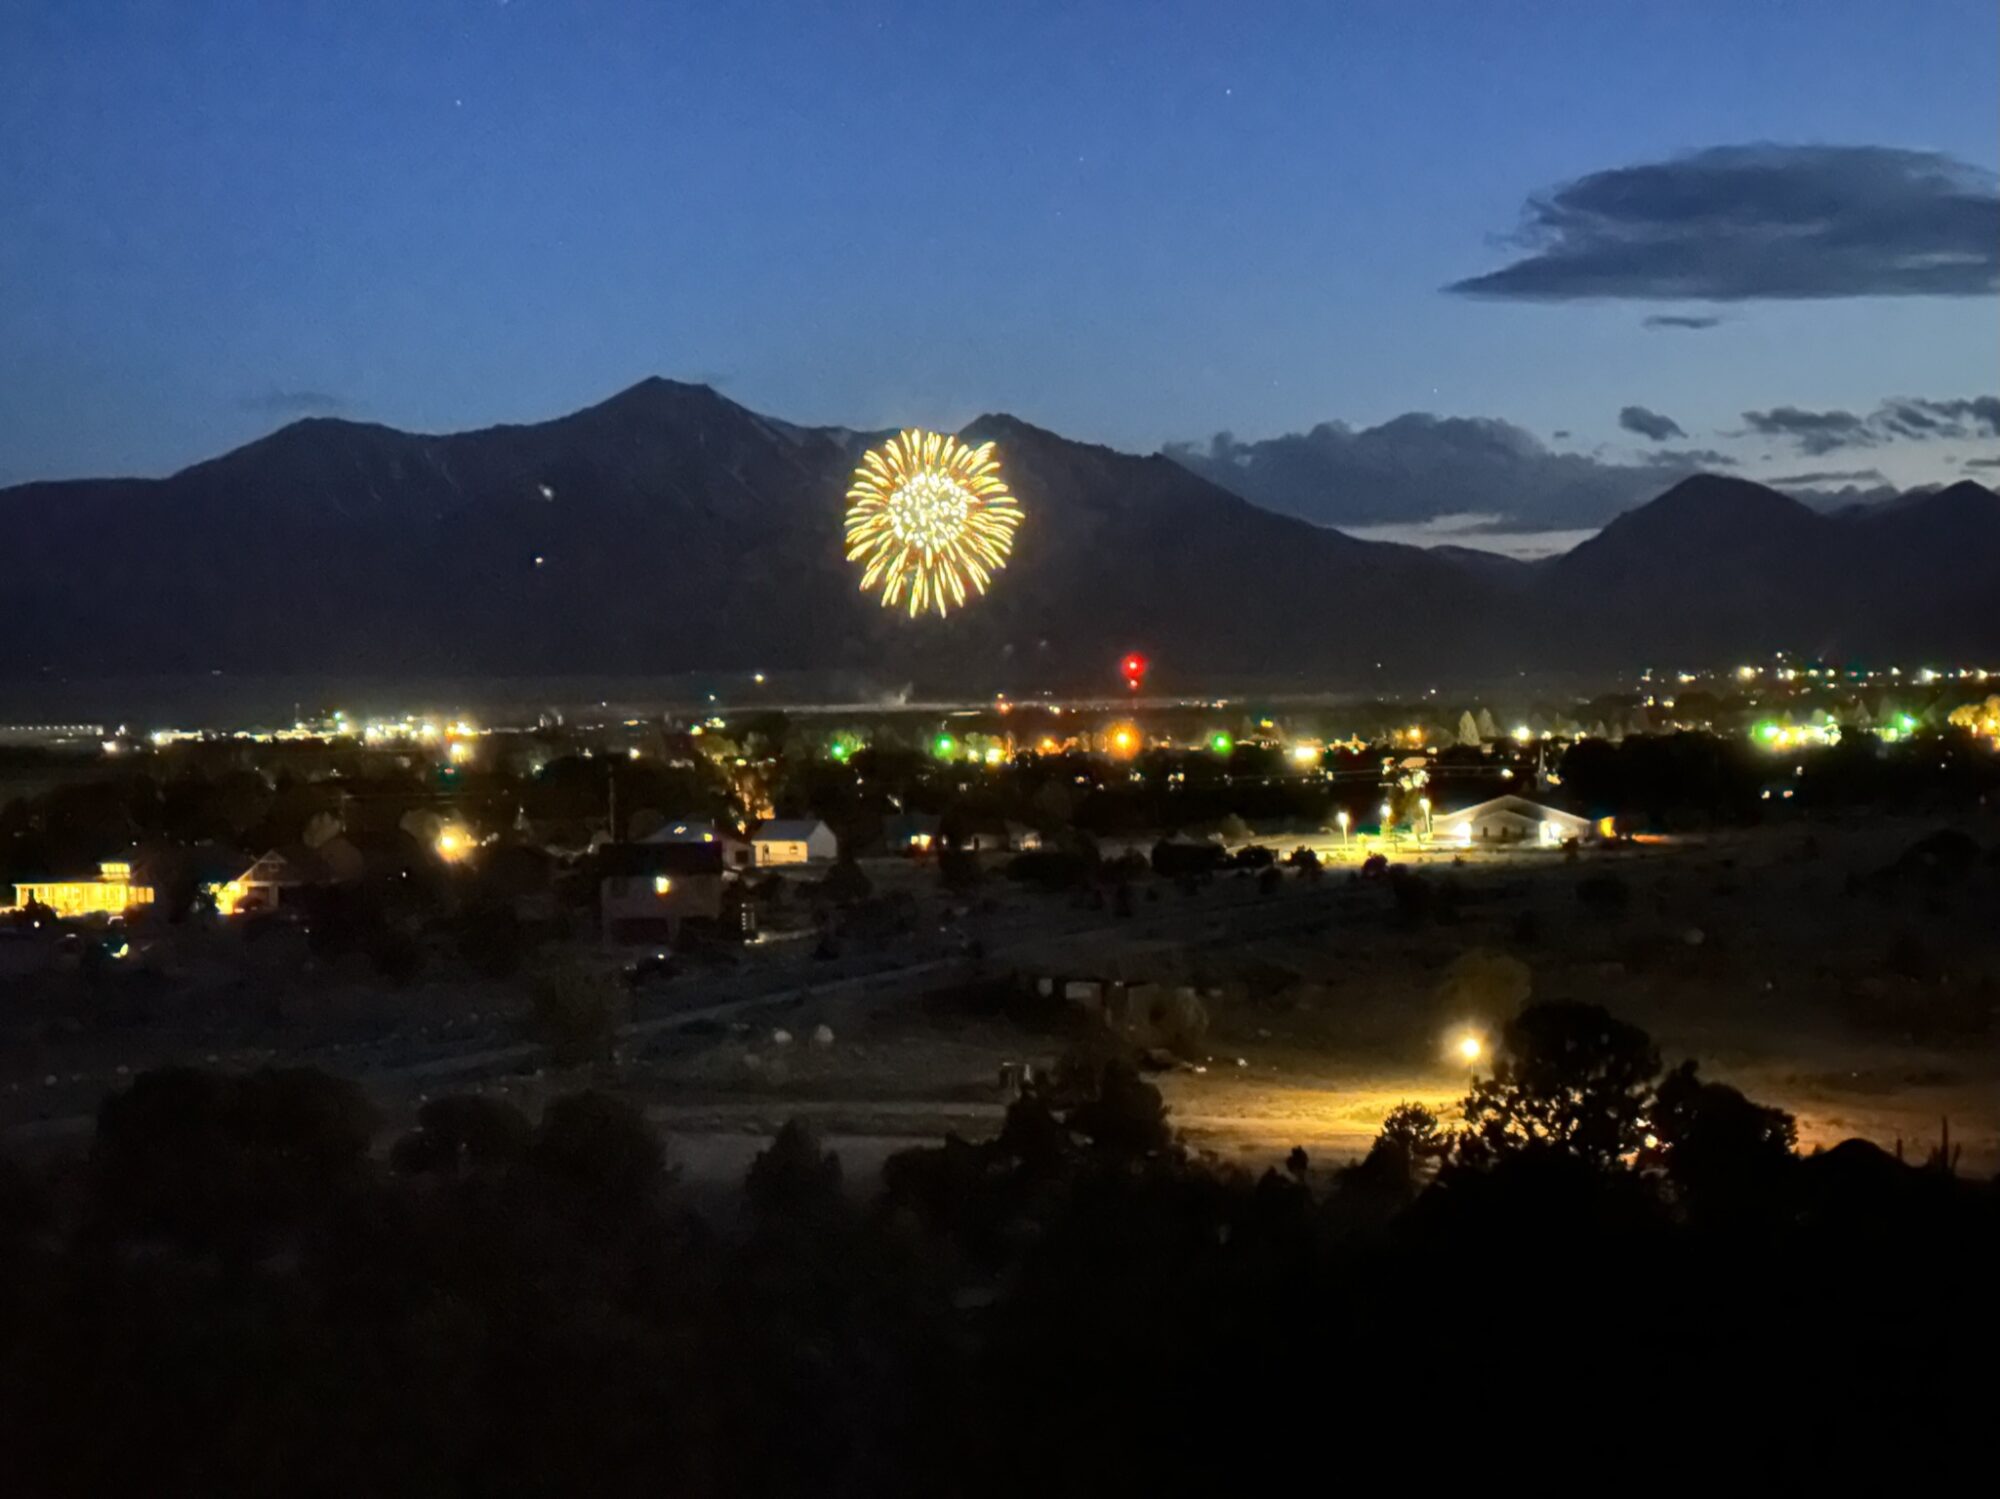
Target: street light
column 1387, row 813
column 1342, row 818
column 1424, row 803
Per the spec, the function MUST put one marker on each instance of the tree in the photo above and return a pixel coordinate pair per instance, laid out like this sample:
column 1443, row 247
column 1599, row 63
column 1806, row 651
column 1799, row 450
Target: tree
column 463, row 1134
column 794, row 1181
column 958, row 869
column 601, row 1148
column 846, row 884
column 1126, row 1117
column 1570, row 1077
column 1725, row 1155
column 1468, row 730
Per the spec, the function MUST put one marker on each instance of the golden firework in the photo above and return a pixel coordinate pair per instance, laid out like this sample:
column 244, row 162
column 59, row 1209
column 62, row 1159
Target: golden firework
column 927, row 517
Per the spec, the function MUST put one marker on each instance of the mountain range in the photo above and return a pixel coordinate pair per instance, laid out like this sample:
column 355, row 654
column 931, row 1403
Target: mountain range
column 669, row 529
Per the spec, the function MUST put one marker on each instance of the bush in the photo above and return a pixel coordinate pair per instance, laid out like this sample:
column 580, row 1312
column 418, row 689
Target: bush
column 794, row 1182
column 1126, row 1117
column 576, row 1015
column 490, row 941
column 1604, row 894
column 1049, row 869
column 1178, row 1020
column 463, row 1134
column 602, row 1148
column 396, row 955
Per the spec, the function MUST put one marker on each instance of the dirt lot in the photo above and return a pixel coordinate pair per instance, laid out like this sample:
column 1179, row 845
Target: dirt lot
column 1782, row 959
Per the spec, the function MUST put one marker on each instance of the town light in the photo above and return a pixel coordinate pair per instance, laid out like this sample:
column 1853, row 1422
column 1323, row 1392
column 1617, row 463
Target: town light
column 1221, row 743
column 661, row 884
column 1470, row 1048
column 1305, row 754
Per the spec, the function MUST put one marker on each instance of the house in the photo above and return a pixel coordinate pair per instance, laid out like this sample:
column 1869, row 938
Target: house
column 910, row 833
column 736, row 851
column 1510, row 820
column 278, row 880
column 646, row 892
column 794, row 840
column 112, row 893
column 999, row 837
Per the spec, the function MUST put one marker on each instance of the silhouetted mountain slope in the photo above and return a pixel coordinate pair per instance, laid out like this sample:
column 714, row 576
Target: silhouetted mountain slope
column 674, row 530
column 670, row 529
column 1718, row 567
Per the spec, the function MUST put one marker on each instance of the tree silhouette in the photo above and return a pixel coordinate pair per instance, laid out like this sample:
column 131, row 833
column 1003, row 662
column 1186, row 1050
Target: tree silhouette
column 1567, row 1076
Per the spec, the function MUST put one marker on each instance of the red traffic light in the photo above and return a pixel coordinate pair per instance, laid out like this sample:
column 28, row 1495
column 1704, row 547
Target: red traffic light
column 1134, row 669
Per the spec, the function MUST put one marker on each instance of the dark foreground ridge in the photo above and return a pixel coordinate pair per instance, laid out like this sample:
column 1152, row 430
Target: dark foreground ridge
column 233, row 1295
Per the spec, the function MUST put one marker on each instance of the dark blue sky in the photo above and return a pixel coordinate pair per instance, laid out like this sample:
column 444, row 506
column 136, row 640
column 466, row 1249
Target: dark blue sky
column 1130, row 222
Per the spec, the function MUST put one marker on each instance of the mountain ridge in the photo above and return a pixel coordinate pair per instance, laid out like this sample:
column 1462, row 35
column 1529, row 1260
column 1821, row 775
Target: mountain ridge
column 669, row 528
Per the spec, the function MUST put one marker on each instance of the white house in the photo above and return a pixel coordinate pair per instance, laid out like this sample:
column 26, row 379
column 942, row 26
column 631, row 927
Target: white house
column 794, row 840
column 1509, row 820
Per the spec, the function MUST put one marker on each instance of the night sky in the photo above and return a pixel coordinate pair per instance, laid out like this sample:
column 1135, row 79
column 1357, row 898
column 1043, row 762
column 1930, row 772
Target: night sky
column 1133, row 223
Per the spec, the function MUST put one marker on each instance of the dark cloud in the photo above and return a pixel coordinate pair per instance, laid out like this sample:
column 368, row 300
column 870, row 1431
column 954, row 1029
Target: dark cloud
column 1982, row 463
column 1420, row 466
column 275, row 402
column 1649, row 424
column 1733, row 223
column 1694, row 458
column 1821, row 477
column 1905, row 418
column 1677, row 320
column 1813, row 431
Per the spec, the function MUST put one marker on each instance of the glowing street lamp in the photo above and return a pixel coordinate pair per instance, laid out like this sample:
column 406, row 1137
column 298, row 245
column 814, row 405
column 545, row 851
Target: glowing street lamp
column 1470, row 1048
column 1342, row 818
column 1424, row 803
column 1387, row 813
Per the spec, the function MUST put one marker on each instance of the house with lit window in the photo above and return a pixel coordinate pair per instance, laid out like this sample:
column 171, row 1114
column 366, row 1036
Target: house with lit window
column 910, row 833
column 114, row 892
column 794, row 840
column 647, row 892
column 276, row 881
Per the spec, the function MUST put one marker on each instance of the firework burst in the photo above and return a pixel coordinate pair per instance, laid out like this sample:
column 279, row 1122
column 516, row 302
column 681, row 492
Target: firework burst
column 929, row 518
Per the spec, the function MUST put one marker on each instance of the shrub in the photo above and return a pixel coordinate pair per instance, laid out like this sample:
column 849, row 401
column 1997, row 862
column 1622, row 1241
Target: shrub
column 1604, row 894
column 576, row 1015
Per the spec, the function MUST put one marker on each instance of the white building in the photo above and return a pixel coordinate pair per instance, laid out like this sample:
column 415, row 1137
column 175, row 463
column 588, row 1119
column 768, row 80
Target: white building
column 1509, row 820
column 794, row 840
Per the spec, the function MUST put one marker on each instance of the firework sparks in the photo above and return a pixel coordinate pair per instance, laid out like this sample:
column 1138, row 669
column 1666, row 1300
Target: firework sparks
column 929, row 517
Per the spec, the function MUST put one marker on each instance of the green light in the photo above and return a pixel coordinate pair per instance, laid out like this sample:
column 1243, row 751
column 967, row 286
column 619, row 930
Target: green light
column 945, row 746
column 1222, row 744
column 1767, row 731
column 1905, row 722
column 838, row 751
